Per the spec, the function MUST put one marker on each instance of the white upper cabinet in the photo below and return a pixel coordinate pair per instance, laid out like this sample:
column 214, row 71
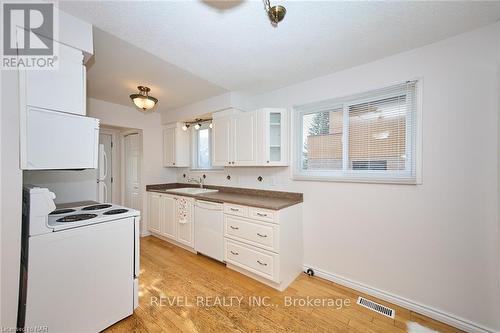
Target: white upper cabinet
column 175, row 146
column 62, row 89
column 222, row 143
column 245, row 139
column 256, row 138
column 274, row 131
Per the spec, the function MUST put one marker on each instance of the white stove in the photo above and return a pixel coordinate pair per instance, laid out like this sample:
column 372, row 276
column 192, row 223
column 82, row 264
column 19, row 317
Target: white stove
column 94, row 247
column 67, row 218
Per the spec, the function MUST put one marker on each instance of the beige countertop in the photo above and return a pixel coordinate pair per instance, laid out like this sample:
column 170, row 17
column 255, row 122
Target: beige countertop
column 274, row 200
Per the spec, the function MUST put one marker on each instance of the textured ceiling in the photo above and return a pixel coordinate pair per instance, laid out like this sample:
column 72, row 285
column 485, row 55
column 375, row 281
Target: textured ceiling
column 119, row 67
column 233, row 45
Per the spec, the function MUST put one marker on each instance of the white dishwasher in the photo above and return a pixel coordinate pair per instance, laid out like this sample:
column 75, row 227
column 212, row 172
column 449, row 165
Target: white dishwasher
column 209, row 236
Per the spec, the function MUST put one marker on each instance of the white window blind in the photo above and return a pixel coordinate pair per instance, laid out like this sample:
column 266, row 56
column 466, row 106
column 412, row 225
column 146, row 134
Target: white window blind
column 366, row 137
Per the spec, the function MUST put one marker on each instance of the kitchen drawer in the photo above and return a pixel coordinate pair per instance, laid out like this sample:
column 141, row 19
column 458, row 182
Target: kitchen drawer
column 264, row 235
column 236, row 210
column 259, row 262
column 265, row 215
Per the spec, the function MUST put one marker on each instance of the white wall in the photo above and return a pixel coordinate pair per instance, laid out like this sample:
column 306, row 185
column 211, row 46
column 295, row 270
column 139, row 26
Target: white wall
column 153, row 171
column 436, row 244
column 69, row 185
column 11, row 199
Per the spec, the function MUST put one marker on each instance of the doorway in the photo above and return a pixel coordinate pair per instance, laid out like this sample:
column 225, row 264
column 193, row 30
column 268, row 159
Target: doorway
column 132, row 170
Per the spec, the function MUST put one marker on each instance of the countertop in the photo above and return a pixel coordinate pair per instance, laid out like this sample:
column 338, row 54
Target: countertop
column 274, row 200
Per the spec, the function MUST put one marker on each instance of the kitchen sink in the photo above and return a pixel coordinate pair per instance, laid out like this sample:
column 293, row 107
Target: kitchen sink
column 191, row 190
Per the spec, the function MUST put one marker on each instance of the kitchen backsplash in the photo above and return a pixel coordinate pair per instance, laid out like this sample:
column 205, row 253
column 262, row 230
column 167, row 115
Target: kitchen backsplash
column 276, row 178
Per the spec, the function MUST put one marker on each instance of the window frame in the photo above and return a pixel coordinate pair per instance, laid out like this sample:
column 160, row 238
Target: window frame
column 360, row 176
column 194, row 149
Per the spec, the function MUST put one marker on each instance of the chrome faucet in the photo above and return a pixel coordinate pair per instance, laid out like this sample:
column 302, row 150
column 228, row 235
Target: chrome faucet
column 196, row 181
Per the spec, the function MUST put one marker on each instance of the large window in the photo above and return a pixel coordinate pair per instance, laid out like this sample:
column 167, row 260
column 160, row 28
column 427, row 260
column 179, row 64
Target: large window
column 369, row 137
column 202, row 152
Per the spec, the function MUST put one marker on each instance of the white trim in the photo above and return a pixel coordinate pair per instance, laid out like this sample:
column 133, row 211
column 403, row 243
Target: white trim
column 406, row 177
column 447, row 318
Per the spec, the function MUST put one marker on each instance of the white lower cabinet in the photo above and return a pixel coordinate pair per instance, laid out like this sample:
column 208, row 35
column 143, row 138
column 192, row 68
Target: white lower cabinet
column 171, row 216
column 264, row 244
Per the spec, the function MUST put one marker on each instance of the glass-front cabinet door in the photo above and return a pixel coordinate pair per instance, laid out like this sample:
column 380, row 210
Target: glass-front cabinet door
column 276, row 148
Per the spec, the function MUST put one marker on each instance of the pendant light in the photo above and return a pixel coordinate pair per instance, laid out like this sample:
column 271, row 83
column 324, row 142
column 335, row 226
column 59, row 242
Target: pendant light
column 276, row 13
column 142, row 100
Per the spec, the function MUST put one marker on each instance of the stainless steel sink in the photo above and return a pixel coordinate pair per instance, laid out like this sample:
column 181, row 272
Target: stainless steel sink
column 191, row 190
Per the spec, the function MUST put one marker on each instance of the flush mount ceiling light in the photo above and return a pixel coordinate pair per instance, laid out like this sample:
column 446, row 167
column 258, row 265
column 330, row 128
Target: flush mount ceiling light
column 142, row 100
column 276, row 13
column 197, row 124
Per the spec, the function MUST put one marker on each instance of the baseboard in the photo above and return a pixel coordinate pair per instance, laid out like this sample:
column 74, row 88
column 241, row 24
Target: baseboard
column 145, row 234
column 430, row 312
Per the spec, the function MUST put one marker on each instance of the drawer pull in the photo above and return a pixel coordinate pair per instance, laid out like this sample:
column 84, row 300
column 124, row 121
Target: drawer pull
column 234, row 228
column 261, row 235
column 235, row 209
column 234, row 253
column 261, row 214
column 261, row 263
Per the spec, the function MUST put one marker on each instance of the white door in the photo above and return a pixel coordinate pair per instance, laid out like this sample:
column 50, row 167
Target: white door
column 167, row 217
column 222, row 141
column 132, row 150
column 105, row 169
column 245, row 139
column 169, row 147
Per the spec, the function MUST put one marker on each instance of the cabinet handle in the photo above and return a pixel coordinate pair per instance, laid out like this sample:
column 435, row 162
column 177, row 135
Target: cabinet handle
column 234, row 253
column 173, row 163
column 261, row 235
column 234, row 228
column 262, row 263
column 261, row 214
column 267, row 162
column 235, row 209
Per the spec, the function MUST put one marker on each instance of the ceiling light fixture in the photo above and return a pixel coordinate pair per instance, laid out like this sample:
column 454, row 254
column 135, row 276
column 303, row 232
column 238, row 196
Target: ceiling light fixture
column 276, row 13
column 142, row 100
column 197, row 124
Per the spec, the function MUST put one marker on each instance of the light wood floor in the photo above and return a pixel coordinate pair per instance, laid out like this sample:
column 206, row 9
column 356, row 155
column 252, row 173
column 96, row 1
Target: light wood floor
column 168, row 271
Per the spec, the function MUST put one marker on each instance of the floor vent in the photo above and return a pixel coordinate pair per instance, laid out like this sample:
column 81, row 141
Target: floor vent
column 383, row 310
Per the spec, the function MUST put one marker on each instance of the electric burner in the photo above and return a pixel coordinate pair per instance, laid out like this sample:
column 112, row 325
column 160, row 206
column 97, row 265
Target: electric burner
column 62, row 211
column 115, row 211
column 96, row 207
column 76, row 217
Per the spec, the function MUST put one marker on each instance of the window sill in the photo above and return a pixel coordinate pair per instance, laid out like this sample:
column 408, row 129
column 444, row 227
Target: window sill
column 359, row 179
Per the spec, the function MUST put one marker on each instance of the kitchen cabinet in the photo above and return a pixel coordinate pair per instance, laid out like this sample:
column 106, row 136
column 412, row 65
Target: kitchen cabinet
column 165, row 217
column 168, row 216
column 62, row 89
column 274, row 135
column 264, row 244
column 175, row 146
column 244, row 127
column 154, row 203
column 234, row 138
column 222, row 143
column 256, row 138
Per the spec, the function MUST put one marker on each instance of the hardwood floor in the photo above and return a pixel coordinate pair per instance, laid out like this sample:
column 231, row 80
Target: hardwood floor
column 184, row 292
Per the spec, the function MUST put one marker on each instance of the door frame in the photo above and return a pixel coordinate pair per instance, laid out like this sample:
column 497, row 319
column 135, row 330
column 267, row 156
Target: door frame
column 122, row 166
column 114, row 165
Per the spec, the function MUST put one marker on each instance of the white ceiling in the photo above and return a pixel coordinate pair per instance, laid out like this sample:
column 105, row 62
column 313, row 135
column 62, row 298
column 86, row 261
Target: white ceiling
column 119, row 67
column 236, row 47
